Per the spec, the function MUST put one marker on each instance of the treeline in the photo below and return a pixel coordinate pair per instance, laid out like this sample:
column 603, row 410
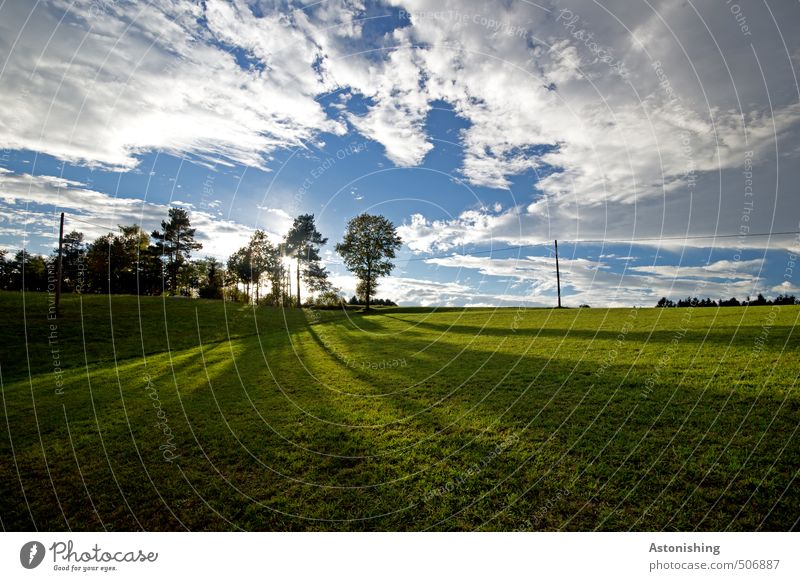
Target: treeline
column 132, row 261
column 760, row 300
column 356, row 302
column 263, row 270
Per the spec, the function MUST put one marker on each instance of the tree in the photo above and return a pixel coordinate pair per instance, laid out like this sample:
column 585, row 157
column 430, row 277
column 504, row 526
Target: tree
column 276, row 272
column 28, row 272
column 264, row 257
column 5, row 271
column 786, row 299
column 329, row 298
column 123, row 263
column 213, row 280
column 303, row 242
column 190, row 277
column 239, row 268
column 73, row 261
column 366, row 289
column 176, row 242
column 250, row 263
column 150, row 269
column 128, row 250
column 98, row 264
column 731, row 302
column 368, row 246
column 316, row 278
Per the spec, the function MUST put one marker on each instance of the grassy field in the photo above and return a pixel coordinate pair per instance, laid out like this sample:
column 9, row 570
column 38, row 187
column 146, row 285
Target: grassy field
column 173, row 414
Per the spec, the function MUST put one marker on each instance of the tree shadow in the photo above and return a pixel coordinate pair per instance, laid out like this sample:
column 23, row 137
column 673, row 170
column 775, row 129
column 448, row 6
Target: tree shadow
column 284, row 434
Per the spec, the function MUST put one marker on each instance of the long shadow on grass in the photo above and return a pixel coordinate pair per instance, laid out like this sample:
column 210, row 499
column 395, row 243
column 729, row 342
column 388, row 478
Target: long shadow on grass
column 719, row 335
column 634, row 461
column 584, row 430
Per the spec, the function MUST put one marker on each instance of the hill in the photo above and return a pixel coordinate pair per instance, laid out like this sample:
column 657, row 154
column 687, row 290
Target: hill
column 173, row 414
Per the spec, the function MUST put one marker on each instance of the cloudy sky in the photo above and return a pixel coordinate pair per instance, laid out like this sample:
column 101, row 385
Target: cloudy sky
column 645, row 136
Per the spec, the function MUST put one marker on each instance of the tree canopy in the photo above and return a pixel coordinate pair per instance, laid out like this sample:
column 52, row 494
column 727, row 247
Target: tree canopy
column 368, row 247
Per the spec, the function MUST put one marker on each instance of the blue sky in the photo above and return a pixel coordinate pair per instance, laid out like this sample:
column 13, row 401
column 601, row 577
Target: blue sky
column 473, row 129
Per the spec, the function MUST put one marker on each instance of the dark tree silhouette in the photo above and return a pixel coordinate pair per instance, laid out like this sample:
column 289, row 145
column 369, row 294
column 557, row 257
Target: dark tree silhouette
column 5, row 270
column 303, row 242
column 368, row 246
column 213, row 279
column 28, row 272
column 124, row 263
column 316, row 278
column 176, row 242
column 73, row 261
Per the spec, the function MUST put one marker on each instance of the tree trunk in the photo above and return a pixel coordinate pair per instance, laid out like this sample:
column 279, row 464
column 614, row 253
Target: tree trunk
column 298, row 282
column 176, row 264
column 287, row 281
column 368, row 288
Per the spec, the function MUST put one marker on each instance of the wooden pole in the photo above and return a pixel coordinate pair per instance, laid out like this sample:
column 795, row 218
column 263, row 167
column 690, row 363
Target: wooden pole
column 558, row 277
column 59, row 264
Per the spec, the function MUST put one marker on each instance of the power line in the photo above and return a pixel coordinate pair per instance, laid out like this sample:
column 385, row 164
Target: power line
column 608, row 240
column 91, row 224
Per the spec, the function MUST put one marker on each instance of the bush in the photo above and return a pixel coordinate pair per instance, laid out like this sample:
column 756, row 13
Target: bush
column 328, row 299
column 236, row 295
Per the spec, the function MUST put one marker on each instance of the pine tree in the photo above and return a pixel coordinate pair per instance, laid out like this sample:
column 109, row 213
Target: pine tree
column 303, row 242
column 176, row 242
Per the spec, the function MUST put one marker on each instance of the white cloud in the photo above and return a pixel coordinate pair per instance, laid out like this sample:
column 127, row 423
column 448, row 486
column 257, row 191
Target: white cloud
column 657, row 152
column 470, row 227
column 112, row 80
column 397, row 119
column 587, row 281
column 786, row 288
column 24, row 198
column 534, row 92
column 649, row 224
column 729, row 269
column 649, row 152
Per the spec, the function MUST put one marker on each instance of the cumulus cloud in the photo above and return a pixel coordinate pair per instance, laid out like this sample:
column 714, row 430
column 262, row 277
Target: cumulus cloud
column 540, row 85
column 631, row 131
column 397, row 119
column 632, row 122
column 98, row 83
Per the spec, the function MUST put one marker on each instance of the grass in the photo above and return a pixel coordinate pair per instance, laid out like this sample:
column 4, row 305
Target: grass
column 405, row 419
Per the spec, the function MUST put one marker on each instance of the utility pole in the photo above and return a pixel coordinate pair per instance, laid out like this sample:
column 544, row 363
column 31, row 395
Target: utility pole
column 59, row 264
column 558, row 277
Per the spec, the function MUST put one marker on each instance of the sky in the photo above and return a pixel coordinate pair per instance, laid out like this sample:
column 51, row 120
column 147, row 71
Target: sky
column 646, row 137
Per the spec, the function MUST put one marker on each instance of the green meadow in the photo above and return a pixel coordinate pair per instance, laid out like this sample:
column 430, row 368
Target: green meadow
column 132, row 413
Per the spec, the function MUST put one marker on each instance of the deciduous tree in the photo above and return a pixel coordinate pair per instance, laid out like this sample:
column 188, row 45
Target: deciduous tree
column 368, row 247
